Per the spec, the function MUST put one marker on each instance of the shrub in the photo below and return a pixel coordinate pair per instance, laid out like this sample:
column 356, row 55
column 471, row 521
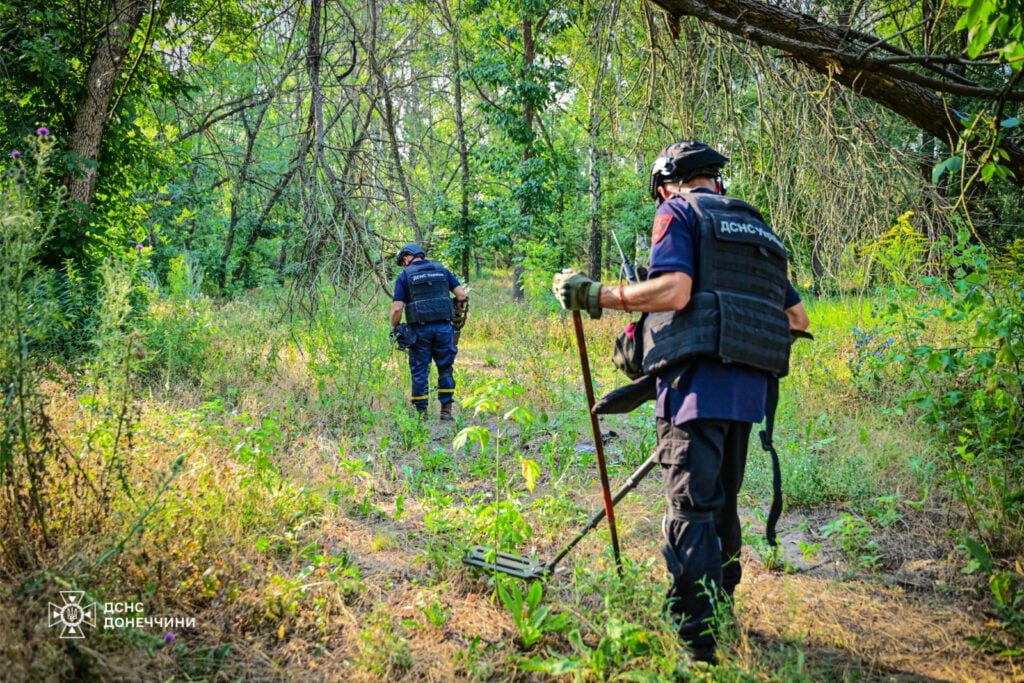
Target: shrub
column 969, row 386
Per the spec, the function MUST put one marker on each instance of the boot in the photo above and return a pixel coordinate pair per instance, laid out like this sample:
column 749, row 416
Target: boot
column 446, row 412
column 421, row 413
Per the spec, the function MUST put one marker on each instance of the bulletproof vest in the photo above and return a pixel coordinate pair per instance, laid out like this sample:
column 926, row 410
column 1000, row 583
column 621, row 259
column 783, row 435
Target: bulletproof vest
column 736, row 311
column 428, row 293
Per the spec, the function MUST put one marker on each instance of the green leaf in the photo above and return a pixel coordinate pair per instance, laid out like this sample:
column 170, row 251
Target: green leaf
column 479, row 434
column 980, row 554
column 951, row 165
column 519, row 415
column 531, row 472
column 534, row 596
column 978, row 11
column 1003, row 588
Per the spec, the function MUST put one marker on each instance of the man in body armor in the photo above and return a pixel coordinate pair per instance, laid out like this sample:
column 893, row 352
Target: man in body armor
column 422, row 292
column 720, row 309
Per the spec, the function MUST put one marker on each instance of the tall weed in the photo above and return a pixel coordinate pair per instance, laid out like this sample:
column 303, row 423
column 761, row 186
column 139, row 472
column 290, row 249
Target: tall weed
column 56, row 484
column 963, row 362
column 28, row 440
column 110, row 380
column 352, row 366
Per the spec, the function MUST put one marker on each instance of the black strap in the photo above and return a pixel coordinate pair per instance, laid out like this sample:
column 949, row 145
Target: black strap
column 771, row 404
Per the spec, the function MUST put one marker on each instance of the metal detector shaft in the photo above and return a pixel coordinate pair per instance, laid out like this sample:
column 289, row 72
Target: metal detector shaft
column 595, row 426
column 630, row 484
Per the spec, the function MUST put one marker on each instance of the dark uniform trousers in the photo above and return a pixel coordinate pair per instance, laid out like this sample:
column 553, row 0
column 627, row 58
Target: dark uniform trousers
column 434, row 342
column 702, row 462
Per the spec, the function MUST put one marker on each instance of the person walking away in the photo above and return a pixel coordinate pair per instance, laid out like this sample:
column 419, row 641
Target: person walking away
column 422, row 293
column 721, row 308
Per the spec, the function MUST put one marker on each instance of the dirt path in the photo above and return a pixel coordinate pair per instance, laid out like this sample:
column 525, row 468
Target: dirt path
column 869, row 631
column 910, row 620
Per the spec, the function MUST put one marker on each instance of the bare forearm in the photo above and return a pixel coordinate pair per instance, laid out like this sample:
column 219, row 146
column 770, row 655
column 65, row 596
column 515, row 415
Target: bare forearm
column 798, row 319
column 669, row 292
column 396, row 312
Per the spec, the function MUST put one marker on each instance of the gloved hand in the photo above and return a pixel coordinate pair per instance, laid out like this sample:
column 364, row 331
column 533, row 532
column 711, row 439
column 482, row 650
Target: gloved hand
column 402, row 336
column 577, row 292
column 461, row 307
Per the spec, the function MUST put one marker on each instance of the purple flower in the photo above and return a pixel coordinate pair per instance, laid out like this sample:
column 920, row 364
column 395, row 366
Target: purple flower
column 15, row 154
column 169, row 637
column 42, row 131
column 139, row 246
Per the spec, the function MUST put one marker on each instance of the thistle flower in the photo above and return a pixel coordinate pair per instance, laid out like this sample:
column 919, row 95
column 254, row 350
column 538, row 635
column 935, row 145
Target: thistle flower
column 169, row 637
column 15, row 154
column 42, row 130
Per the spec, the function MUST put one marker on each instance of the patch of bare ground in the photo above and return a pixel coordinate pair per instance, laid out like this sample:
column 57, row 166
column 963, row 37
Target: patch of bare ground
column 909, row 620
column 868, row 631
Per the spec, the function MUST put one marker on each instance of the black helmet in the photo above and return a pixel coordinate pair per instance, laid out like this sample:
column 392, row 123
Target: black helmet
column 410, row 249
column 682, row 161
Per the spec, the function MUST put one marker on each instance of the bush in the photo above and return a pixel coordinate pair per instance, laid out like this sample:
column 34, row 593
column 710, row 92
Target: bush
column 969, row 386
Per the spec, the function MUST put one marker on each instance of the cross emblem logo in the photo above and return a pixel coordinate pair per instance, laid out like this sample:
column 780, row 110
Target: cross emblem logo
column 73, row 615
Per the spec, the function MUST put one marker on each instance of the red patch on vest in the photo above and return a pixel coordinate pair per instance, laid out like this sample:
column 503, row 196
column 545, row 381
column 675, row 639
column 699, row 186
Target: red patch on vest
column 661, row 224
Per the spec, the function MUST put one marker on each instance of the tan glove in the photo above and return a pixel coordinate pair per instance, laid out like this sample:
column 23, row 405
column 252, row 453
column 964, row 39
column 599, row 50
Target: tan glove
column 577, row 292
column 461, row 313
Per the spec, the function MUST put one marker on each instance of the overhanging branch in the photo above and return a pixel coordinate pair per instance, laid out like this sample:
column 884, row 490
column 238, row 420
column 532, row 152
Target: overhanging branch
column 828, row 50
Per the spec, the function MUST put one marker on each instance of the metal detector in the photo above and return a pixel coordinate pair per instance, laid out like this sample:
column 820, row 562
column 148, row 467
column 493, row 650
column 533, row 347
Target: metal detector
column 529, row 568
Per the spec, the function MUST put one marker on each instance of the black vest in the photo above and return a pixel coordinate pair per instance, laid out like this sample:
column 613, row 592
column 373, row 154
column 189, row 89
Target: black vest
column 428, row 293
column 736, row 311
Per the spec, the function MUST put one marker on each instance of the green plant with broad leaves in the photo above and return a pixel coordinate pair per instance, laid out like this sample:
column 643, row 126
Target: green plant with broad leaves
column 492, row 399
column 998, row 23
column 532, row 619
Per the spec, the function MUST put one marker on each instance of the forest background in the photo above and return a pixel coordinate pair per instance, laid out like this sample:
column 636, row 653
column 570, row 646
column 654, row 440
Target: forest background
column 202, row 415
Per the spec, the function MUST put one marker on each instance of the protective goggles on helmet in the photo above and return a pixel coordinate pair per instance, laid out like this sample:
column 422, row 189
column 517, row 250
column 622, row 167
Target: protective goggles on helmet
column 664, row 167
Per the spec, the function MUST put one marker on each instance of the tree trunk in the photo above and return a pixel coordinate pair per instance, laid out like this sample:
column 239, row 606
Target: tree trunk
column 594, row 262
column 595, row 117
column 86, row 135
column 397, row 164
column 238, row 196
column 460, row 132
column 529, row 55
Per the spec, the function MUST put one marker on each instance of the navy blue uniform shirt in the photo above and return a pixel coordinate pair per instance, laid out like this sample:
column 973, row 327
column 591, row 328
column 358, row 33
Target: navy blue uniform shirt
column 710, row 389
column 402, row 285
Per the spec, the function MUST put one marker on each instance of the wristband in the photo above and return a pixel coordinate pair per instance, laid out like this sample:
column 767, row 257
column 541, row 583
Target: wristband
column 594, row 300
